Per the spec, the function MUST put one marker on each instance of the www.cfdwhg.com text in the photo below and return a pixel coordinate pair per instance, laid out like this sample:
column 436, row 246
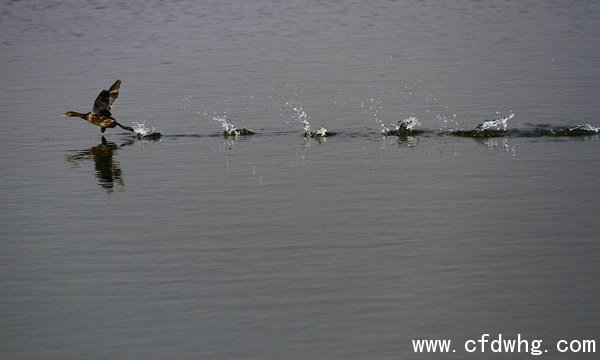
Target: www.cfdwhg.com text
column 501, row 344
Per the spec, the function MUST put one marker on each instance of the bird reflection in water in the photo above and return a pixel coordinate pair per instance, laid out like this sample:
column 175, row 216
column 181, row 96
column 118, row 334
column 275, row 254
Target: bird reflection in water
column 107, row 168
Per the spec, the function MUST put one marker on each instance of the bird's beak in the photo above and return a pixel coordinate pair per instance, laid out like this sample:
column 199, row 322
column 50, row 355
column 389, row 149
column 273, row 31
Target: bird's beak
column 64, row 115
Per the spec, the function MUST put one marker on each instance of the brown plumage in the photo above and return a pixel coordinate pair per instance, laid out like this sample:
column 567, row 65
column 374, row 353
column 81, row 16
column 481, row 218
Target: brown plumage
column 100, row 114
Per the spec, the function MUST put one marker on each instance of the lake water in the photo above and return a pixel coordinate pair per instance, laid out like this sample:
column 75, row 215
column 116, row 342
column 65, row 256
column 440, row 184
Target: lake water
column 274, row 246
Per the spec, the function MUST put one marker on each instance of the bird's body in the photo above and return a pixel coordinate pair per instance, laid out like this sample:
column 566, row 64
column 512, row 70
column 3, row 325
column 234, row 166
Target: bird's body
column 100, row 114
column 99, row 120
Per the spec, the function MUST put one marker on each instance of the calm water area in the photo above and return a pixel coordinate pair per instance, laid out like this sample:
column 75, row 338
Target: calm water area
column 276, row 246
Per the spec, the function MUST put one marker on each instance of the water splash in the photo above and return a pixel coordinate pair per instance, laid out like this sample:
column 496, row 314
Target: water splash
column 373, row 107
column 408, row 124
column 141, row 131
column 447, row 122
column 228, row 127
column 225, row 123
column 319, row 133
column 497, row 128
column 585, row 128
column 495, row 124
column 402, row 128
column 302, row 117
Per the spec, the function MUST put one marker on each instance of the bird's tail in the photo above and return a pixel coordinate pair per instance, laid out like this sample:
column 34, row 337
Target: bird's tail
column 125, row 127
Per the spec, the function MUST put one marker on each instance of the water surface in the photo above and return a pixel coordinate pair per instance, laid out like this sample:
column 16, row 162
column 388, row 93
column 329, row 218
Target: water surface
column 276, row 246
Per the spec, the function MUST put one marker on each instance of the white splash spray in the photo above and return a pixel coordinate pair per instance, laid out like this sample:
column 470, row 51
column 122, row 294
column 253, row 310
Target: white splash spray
column 141, row 130
column 402, row 127
column 585, row 127
column 228, row 127
column 373, row 107
column 302, row 116
column 496, row 124
column 225, row 123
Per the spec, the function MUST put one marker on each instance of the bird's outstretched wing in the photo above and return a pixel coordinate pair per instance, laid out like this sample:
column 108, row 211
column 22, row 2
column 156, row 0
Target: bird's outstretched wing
column 113, row 93
column 106, row 100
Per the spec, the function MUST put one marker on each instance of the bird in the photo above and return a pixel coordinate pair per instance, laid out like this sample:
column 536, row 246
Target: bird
column 100, row 114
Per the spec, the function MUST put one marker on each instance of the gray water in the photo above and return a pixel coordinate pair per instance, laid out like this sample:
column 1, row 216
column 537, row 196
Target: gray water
column 279, row 247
